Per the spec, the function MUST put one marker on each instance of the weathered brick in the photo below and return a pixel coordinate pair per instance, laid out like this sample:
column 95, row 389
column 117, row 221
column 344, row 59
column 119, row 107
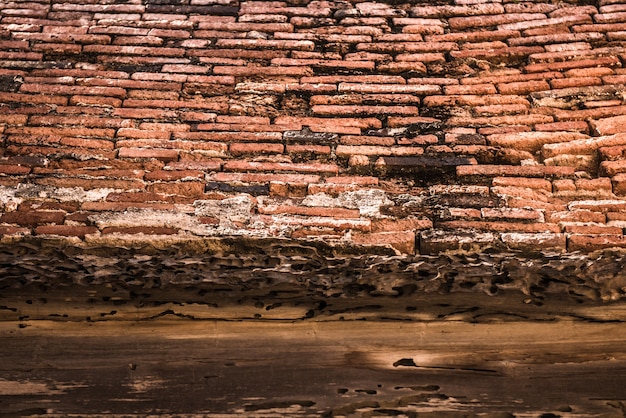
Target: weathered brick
column 538, row 242
column 582, row 146
column 289, row 178
column 403, row 242
column 160, row 154
column 276, row 209
column 588, row 243
column 253, row 148
column 532, row 183
column 580, row 63
column 267, row 166
column 437, row 241
column 348, row 150
column 33, row 218
column 324, row 222
column 511, row 170
column 523, row 87
column 458, row 23
column 532, row 141
column 592, row 229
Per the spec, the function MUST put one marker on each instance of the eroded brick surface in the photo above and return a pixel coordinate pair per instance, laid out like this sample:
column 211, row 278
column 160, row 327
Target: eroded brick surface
column 414, row 127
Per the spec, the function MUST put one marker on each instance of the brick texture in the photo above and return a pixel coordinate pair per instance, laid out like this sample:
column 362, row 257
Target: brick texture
column 398, row 127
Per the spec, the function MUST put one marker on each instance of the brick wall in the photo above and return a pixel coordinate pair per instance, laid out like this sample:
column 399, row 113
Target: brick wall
column 416, row 127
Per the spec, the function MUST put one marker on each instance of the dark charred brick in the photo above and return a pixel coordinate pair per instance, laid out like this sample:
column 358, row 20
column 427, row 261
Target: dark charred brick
column 251, row 189
column 214, row 10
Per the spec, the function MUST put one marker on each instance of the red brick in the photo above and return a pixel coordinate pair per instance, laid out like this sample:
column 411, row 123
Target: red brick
column 437, row 241
column 337, row 224
column 12, row 230
column 263, row 166
column 364, row 79
column 14, row 169
column 513, row 214
column 603, row 206
column 353, row 180
column 296, row 122
column 62, row 131
column 51, row 89
column 587, row 243
column 575, row 82
column 178, row 104
column 478, row 89
column 264, row 178
column 134, row 50
column 613, row 153
column 363, row 110
column 33, row 218
column 403, row 242
column 556, row 38
column 389, row 88
column 531, row 119
column 532, row 183
column 582, row 146
column 523, row 87
column 457, row 23
column 124, row 206
column 142, row 134
column 79, row 100
column 160, row 154
column 493, row 110
column 261, row 148
column 304, row 149
column 276, row 209
column 405, row 224
column 500, row 226
column 473, row 100
column 571, row 126
column 592, row 229
column 172, row 175
column 538, row 242
column 498, row 54
column 348, row 150
column 566, row 65
column 512, row 170
column 532, row 141
column 87, row 121
column 187, row 188
column 33, row 99
column 580, row 216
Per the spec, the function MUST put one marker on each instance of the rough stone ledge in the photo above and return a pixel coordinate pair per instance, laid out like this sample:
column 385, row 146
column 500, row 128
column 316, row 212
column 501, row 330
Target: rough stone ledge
column 303, row 279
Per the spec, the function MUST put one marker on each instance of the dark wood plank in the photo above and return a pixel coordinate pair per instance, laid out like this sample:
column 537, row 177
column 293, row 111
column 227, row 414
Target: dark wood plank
column 308, row 368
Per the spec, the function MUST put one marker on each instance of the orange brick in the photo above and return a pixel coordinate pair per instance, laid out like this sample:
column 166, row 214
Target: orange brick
column 537, row 242
column 523, row 87
column 186, row 188
column 588, row 243
column 160, row 154
column 275, row 209
column 263, row 166
column 256, row 148
column 33, row 218
column 401, row 241
column 173, row 175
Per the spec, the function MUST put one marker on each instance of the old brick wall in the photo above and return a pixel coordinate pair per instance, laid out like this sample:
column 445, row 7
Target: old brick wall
column 416, row 128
